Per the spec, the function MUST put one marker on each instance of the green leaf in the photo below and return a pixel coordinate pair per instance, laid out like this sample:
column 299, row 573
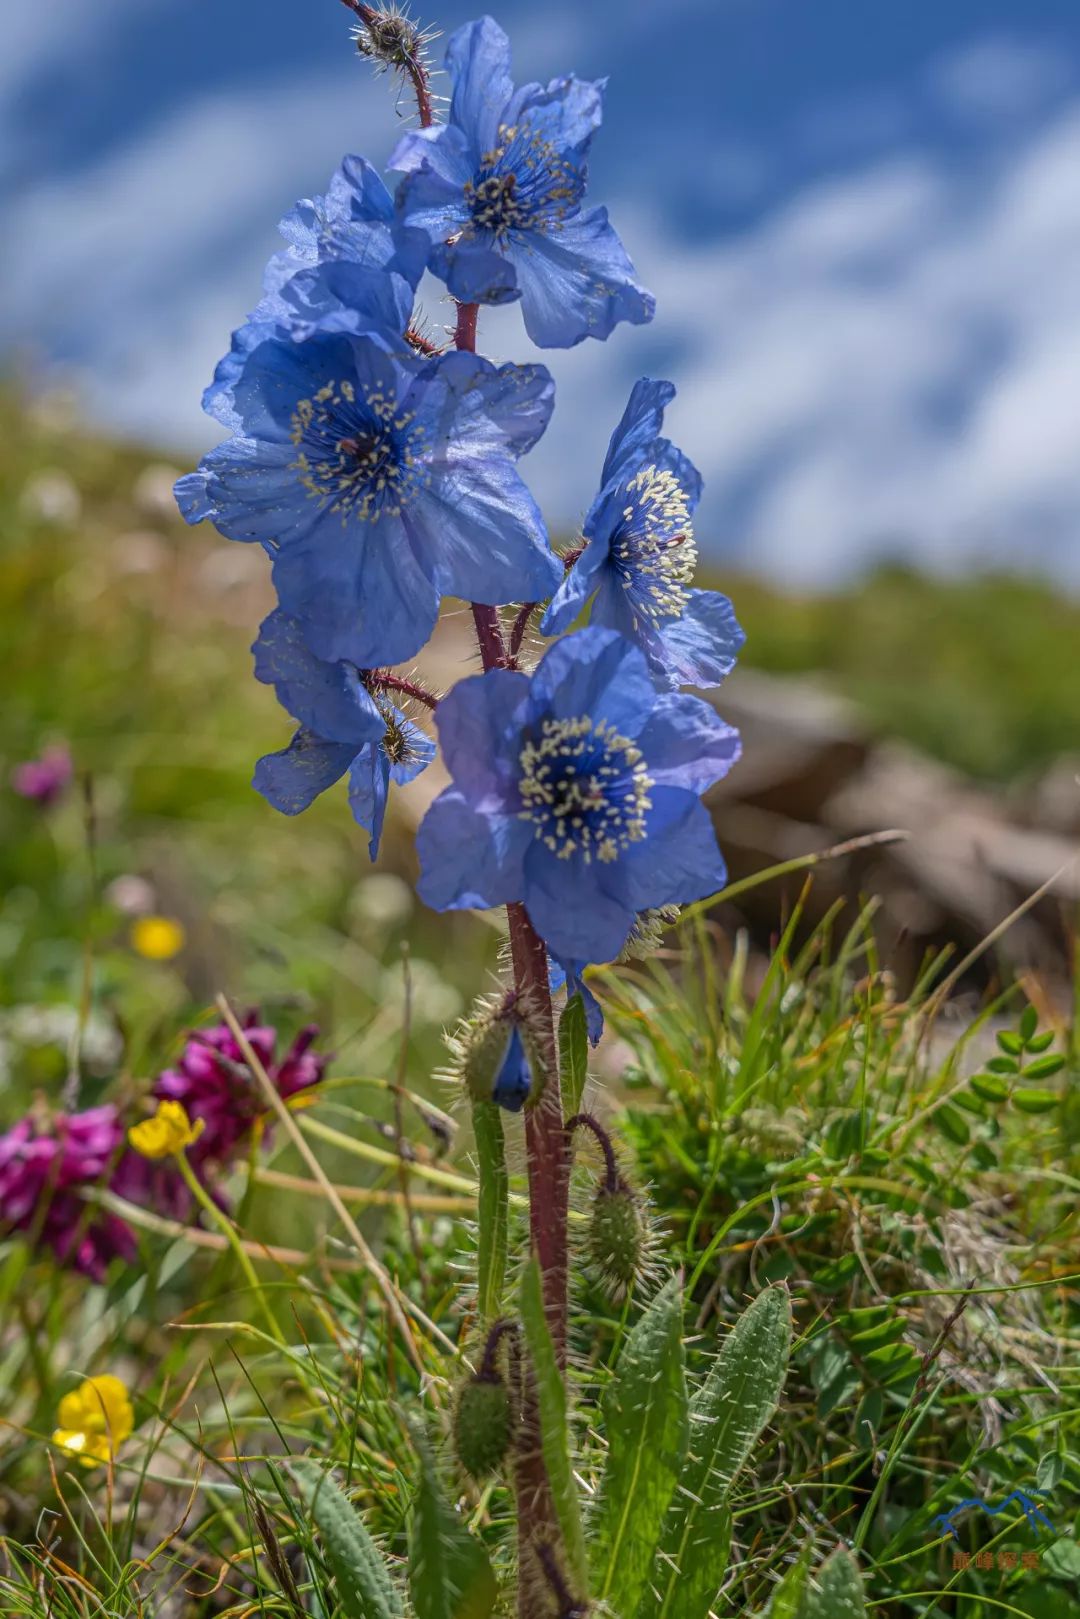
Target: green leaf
column 573, row 1053
column 1012, row 1044
column 1029, row 1022
column 1050, row 1471
column 1043, row 1067
column 727, row 1415
column 1003, row 1065
column 492, row 1208
column 1034, row 1100
column 1041, row 1042
column 786, row 1599
column 646, row 1423
column 450, row 1576
column 554, row 1435
column 836, row 1592
column 990, row 1087
column 952, row 1124
column 364, row 1587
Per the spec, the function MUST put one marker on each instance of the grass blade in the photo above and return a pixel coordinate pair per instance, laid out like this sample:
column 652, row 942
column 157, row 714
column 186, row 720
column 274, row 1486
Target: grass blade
column 450, row 1576
column 492, row 1208
column 573, row 1053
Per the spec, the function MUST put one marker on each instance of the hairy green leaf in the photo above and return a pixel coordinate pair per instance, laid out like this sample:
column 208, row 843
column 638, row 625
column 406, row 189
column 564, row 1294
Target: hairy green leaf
column 450, row 1576
column 727, row 1414
column 554, row 1435
column 492, row 1208
column 646, row 1424
column 364, row 1587
column 573, row 1053
column 835, row 1592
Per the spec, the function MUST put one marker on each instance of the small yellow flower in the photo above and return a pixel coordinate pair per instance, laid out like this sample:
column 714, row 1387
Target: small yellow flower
column 170, row 1131
column 158, row 938
column 95, row 1419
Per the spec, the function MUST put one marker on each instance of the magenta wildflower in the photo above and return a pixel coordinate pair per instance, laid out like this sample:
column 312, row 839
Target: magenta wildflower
column 45, row 779
column 43, row 1168
column 214, row 1084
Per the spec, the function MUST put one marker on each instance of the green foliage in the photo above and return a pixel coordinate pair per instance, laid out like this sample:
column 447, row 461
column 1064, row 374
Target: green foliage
column 554, row 1432
column 492, row 1208
column 727, row 1414
column 573, row 1054
column 364, row 1587
column 835, row 1592
column 646, row 1424
column 450, row 1574
column 482, row 1424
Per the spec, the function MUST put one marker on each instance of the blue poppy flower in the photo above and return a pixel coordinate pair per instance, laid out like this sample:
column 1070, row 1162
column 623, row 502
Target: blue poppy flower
column 639, row 555
column 379, row 482
column 575, row 791
column 499, row 188
column 344, row 726
column 371, row 289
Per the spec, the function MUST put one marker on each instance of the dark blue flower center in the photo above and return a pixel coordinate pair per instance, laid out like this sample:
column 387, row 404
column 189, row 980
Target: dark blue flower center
column 585, row 788
column 653, row 549
column 523, row 183
column 356, row 451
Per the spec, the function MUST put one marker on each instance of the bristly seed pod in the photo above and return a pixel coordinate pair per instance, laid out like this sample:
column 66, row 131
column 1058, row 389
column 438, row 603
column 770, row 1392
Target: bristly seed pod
column 484, row 1411
column 618, row 1237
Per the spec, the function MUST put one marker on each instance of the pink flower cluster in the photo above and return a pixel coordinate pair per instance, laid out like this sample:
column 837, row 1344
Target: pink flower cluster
column 41, row 1172
column 45, row 1166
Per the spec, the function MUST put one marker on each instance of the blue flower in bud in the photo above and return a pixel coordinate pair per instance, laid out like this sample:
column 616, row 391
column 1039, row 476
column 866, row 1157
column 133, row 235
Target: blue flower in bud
column 639, row 555
column 499, row 189
column 379, row 482
column 370, row 290
column 344, row 726
column 576, row 791
column 513, row 1079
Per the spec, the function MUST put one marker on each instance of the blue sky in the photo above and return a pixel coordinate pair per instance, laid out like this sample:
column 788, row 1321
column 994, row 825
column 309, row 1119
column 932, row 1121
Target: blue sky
column 862, row 223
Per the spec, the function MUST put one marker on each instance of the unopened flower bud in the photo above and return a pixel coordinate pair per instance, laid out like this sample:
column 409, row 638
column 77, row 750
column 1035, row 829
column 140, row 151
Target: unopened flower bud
column 483, row 1419
column 617, row 1237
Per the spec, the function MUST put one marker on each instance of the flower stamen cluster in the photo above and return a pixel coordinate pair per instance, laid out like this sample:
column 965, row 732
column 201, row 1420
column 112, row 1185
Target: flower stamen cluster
column 359, row 456
column 523, row 183
column 585, row 788
column 653, row 549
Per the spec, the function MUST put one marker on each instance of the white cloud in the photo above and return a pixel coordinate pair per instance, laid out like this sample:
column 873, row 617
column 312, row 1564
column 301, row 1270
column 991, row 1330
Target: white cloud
column 890, row 361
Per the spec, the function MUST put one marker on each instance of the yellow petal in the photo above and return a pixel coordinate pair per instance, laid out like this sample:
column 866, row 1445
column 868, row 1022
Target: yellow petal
column 157, row 938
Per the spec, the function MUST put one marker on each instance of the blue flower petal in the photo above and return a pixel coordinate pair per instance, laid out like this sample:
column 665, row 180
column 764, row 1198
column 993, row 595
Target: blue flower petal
column 687, row 744
column 577, row 918
column 595, row 672
column 470, row 859
column 361, row 596
column 476, row 274
column 578, row 585
column 572, row 976
column 701, row 647
column 486, row 409
column 567, row 113
column 478, row 61
column 577, row 281
column 473, row 720
column 678, row 861
column 369, row 786
column 479, row 532
column 326, row 698
column 639, row 428
column 294, row 778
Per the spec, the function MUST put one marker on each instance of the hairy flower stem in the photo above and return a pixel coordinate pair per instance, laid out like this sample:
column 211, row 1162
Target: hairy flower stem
column 549, row 1173
column 385, row 681
column 585, row 1121
column 412, row 65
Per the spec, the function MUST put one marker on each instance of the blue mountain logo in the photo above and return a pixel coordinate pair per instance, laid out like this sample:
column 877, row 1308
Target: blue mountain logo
column 946, row 1520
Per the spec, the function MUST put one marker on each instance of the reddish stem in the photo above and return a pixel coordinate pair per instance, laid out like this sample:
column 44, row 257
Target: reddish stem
column 520, row 625
column 408, row 688
column 546, row 1142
